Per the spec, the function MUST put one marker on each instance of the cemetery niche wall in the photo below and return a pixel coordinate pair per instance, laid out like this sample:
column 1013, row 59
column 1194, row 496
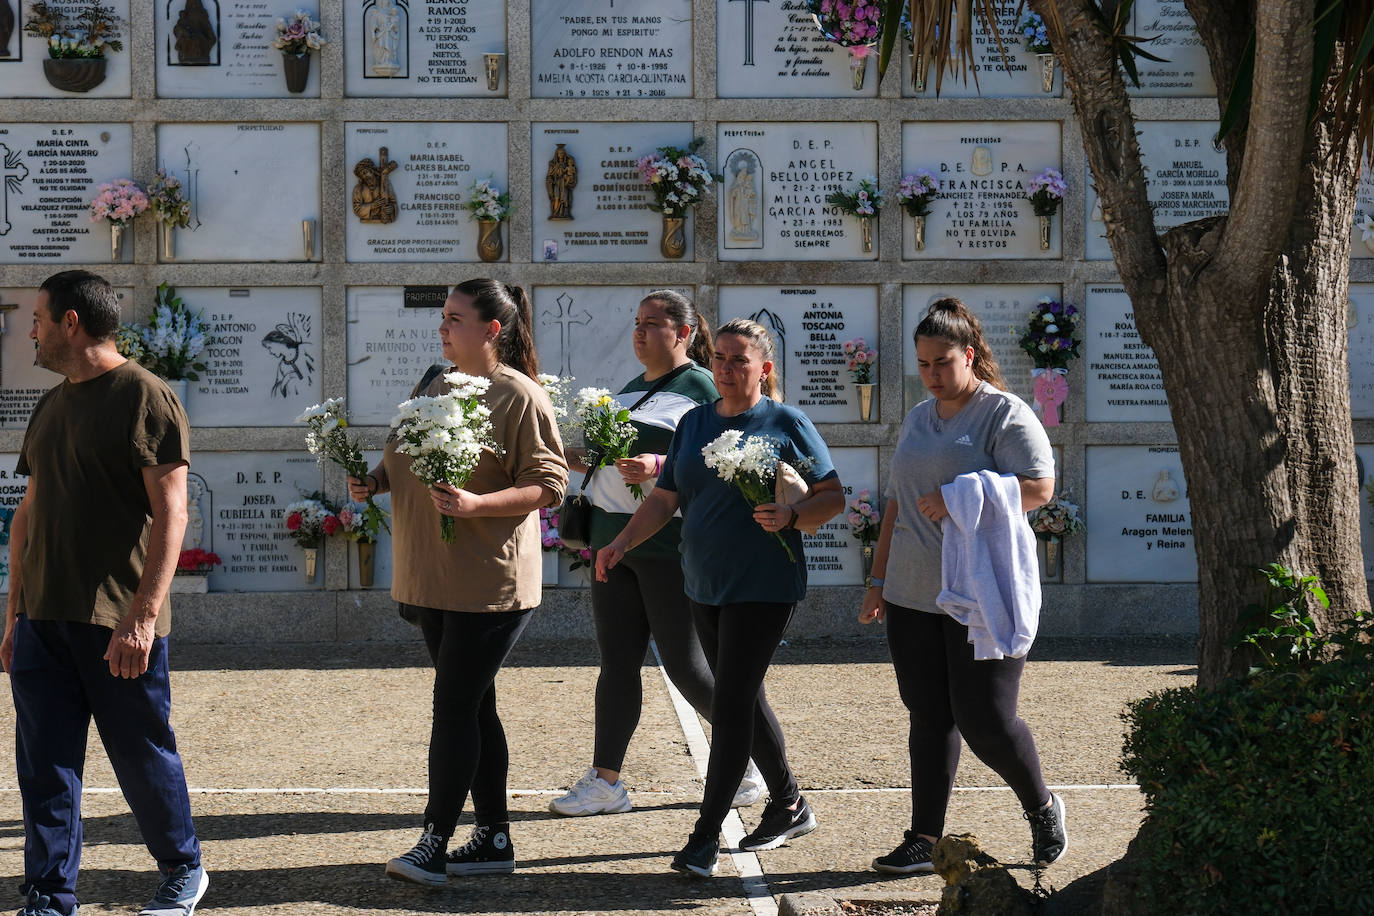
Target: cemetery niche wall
column 325, row 228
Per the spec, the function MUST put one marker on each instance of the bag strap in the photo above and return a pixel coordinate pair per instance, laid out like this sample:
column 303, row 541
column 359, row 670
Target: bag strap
column 657, row 387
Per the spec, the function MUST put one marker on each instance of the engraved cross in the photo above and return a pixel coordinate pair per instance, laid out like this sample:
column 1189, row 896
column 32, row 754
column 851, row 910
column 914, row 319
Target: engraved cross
column 565, row 319
column 14, row 170
column 749, row 30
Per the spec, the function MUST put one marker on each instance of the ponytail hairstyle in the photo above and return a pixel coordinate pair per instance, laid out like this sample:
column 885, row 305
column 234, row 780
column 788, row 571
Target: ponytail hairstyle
column 497, row 301
column 951, row 321
column 761, row 340
column 680, row 312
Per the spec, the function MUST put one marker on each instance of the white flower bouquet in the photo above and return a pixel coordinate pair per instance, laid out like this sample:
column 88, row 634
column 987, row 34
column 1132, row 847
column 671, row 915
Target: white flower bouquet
column 678, row 178
column 751, row 465
column 487, row 201
column 608, row 429
column 327, row 440
column 310, row 521
column 444, row 435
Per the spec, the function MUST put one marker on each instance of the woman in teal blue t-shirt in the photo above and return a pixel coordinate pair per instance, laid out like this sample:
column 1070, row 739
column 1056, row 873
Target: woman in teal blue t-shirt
column 742, row 585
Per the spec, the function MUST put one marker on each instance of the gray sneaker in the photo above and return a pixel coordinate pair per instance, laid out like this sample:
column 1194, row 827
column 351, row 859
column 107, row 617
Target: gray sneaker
column 179, row 892
column 1049, row 835
column 41, row 905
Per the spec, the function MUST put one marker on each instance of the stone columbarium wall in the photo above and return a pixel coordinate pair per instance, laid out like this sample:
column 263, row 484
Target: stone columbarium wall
column 399, row 98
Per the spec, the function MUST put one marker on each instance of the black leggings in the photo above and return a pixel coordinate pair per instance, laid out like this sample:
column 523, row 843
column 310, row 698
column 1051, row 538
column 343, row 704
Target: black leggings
column 642, row 597
column 739, row 641
column 467, row 745
column 948, row 694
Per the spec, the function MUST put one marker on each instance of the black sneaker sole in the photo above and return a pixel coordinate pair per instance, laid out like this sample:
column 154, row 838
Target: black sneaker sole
column 759, row 844
column 921, row 868
column 401, row 870
column 481, row 868
column 695, row 870
column 1063, row 822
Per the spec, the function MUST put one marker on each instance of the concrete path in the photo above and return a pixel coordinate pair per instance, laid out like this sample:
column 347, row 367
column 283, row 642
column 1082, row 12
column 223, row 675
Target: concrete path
column 308, row 766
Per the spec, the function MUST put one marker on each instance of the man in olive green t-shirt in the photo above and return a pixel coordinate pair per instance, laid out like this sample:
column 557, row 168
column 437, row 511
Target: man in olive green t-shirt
column 93, row 547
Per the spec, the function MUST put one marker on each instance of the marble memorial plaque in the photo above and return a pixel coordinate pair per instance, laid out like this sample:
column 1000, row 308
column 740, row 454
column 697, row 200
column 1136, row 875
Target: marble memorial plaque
column 1002, row 309
column 1123, row 382
column 237, row 509
column 589, row 202
column 49, row 173
column 1186, row 70
column 777, row 175
column 1139, row 525
column 1186, row 175
column 1362, row 230
column 262, row 364
column 220, row 49
column 390, row 345
column 982, row 168
column 1016, row 77
column 588, row 49
column 401, row 48
column 12, row 487
column 833, row 556
column 809, row 327
column 22, row 56
column 773, row 49
column 1361, row 321
column 585, row 332
column 250, row 185
column 1366, row 455
column 408, row 183
column 22, row 382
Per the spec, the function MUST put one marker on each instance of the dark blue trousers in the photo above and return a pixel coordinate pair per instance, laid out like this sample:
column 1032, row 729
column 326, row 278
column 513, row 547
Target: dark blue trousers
column 59, row 682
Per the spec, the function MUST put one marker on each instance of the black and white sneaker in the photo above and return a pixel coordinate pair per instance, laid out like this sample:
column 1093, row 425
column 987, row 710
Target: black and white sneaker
column 424, row 864
column 778, row 825
column 1049, row 835
column 488, row 851
column 913, row 855
column 698, row 857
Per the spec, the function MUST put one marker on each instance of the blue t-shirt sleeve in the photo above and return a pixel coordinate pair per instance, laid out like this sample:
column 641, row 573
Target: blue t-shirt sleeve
column 806, row 450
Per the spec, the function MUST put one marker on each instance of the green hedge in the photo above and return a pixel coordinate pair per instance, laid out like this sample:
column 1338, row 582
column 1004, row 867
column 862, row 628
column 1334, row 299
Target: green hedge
column 1260, row 793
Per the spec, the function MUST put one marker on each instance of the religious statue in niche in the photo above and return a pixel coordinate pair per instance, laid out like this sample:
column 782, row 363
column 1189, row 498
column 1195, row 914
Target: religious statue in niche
column 1165, row 490
column 197, row 493
column 559, row 182
column 6, row 27
column 195, row 35
column 742, row 201
column 289, row 344
column 374, row 200
column 982, row 161
column 385, row 28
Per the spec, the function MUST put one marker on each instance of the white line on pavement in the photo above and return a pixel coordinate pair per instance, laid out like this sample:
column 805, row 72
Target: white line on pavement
column 746, row 863
column 361, row 790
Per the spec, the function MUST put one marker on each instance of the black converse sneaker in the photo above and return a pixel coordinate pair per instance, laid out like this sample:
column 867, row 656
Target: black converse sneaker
column 913, row 855
column 778, row 825
column 1049, row 836
column 698, row 857
column 424, row 864
column 488, row 851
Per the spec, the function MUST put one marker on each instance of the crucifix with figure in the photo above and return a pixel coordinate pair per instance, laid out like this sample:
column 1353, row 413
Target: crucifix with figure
column 14, row 170
column 565, row 319
column 749, row 29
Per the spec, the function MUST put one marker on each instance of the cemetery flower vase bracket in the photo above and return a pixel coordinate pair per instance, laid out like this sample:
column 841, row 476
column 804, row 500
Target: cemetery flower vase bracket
column 678, row 180
column 865, row 521
column 915, row 194
column 1033, row 32
column 367, row 561
column 490, row 207
column 864, row 202
column 1046, row 72
column 673, row 244
column 118, row 203
column 309, row 522
column 1051, row 340
column 170, row 208
column 1051, row 523
column 297, row 39
column 489, row 244
column 860, row 360
column 858, row 65
column 855, row 25
column 1045, row 192
column 78, row 39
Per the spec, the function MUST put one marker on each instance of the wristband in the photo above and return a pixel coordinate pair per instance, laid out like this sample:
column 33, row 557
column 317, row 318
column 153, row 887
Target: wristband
column 875, row 582
column 658, row 465
column 791, row 522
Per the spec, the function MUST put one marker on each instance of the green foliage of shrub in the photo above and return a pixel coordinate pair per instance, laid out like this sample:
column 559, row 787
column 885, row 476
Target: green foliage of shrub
column 1260, row 793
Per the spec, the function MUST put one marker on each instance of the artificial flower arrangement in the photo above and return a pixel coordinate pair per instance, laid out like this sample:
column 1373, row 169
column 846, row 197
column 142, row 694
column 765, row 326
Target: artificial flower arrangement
column 677, row 178
column 169, row 344
column 1056, row 518
column 608, row 430
column 1046, row 191
column 196, row 562
column 860, row 360
column 488, row 202
column 864, row 200
column 328, row 440
column 864, row 518
column 552, row 543
column 169, row 203
column 310, row 521
column 300, row 35
column 750, row 465
column 88, row 34
column 1050, row 337
column 444, row 435
column 917, row 192
column 359, row 524
column 851, row 23
column 1032, row 29
column 118, row 202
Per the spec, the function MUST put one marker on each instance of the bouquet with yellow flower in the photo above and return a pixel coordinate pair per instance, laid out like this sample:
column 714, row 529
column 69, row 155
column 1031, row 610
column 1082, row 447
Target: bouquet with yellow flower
column 608, row 430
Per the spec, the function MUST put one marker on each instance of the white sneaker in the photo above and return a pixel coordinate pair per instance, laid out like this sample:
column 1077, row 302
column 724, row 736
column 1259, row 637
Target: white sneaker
column 592, row 795
column 750, row 788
